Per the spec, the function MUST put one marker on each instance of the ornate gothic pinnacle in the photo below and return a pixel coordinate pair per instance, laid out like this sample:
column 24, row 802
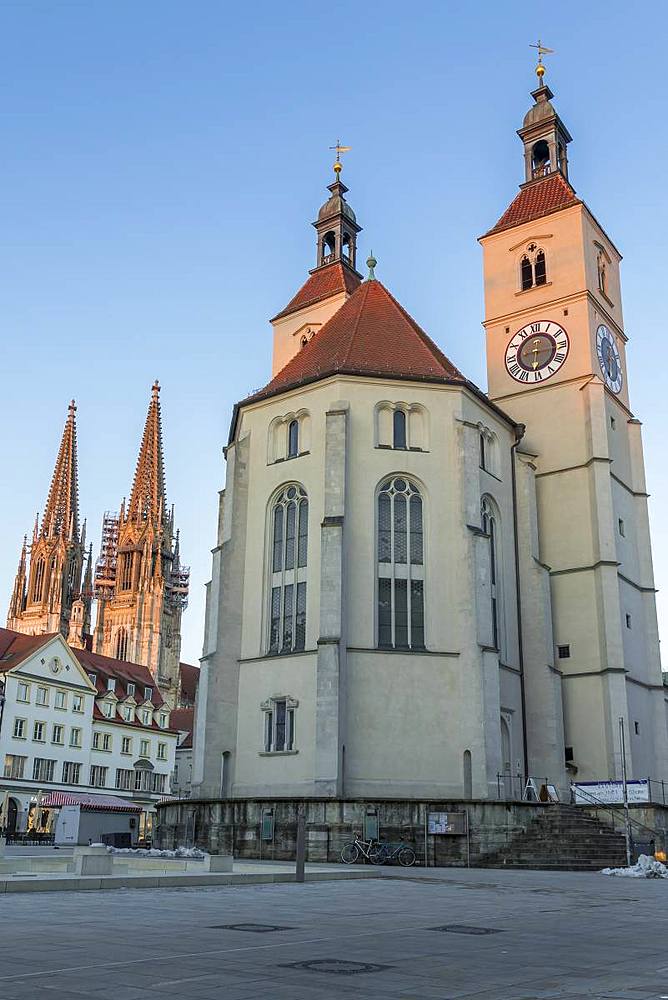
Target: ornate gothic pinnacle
column 147, row 499
column 61, row 514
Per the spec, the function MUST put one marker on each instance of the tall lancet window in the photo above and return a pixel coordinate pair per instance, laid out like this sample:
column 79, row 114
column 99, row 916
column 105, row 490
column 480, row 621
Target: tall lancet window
column 490, row 527
column 38, row 586
column 289, row 551
column 400, row 565
column 122, row 644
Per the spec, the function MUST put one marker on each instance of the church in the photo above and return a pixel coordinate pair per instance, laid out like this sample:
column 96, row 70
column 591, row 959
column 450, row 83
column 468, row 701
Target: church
column 421, row 590
column 138, row 581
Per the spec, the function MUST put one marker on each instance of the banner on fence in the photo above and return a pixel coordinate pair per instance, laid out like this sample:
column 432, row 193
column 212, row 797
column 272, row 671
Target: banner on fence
column 610, row 792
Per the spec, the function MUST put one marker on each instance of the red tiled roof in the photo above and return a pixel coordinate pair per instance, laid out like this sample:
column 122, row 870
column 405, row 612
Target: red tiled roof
column 15, row 646
column 183, row 719
column 323, row 282
column 537, row 198
column 105, row 667
column 189, row 681
column 371, row 334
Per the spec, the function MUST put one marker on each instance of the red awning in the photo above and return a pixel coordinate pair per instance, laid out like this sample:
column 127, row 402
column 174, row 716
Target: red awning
column 89, row 803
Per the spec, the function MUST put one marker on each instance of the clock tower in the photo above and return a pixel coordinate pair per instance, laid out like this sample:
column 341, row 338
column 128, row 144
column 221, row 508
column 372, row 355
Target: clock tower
column 556, row 362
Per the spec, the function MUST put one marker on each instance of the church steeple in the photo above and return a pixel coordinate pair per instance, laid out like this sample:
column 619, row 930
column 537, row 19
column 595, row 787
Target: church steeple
column 61, row 514
column 147, row 499
column 45, row 592
column 544, row 135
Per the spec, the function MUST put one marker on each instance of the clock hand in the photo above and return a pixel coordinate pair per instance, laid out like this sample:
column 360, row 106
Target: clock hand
column 534, row 363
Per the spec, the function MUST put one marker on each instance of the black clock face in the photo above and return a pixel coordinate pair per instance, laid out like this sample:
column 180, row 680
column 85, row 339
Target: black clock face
column 608, row 357
column 537, row 351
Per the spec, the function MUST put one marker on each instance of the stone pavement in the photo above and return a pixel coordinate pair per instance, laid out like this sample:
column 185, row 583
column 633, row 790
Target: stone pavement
column 510, row 936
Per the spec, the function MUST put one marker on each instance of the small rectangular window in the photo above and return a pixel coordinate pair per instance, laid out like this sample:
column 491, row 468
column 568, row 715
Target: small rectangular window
column 568, row 754
column 42, row 769
column 14, row 765
column 144, row 748
column 23, row 692
column 19, row 729
column 162, row 751
column 38, row 732
column 628, row 621
column 61, row 699
column 57, row 735
column 126, row 744
column 564, row 652
column 613, row 423
column 280, row 725
column 636, row 726
column 111, row 684
column 42, row 696
column 77, row 703
column 75, row 737
column 130, row 689
column 92, row 678
column 148, row 693
column 71, row 772
column 620, row 524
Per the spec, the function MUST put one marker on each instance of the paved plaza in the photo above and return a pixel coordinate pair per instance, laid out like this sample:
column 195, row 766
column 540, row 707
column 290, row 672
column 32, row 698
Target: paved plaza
column 417, row 935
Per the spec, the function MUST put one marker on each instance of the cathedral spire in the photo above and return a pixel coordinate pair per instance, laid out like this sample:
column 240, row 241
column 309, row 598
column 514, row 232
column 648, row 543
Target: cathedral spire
column 61, row 514
column 147, row 499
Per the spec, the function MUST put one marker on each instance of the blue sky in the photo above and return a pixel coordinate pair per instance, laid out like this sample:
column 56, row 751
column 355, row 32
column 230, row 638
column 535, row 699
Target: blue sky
column 161, row 163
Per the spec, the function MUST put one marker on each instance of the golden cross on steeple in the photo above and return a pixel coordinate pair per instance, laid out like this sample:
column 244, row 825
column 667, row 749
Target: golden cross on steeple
column 338, row 166
column 542, row 50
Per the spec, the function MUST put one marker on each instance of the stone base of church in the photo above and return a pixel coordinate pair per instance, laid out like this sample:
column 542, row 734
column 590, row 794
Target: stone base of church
column 267, row 828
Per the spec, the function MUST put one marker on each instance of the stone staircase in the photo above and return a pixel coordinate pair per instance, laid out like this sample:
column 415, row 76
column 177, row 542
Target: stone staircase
column 561, row 838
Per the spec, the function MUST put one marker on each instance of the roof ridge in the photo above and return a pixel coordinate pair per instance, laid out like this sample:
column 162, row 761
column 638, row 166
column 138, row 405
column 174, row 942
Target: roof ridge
column 422, row 334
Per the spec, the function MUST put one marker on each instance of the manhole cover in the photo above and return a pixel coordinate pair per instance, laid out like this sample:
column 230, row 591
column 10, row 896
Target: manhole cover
column 254, row 928
column 336, row 966
column 464, row 929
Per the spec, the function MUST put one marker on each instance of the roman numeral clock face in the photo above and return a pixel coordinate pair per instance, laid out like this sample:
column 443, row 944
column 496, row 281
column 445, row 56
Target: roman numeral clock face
column 537, row 352
column 608, row 358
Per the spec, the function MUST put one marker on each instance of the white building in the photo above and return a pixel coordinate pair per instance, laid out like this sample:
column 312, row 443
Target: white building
column 419, row 589
column 77, row 721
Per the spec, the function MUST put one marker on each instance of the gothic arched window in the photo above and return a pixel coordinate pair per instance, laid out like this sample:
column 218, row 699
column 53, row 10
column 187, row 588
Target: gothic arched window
column 293, row 439
column 490, row 526
column 533, row 268
column 122, row 644
column 38, row 585
column 289, row 545
column 400, row 568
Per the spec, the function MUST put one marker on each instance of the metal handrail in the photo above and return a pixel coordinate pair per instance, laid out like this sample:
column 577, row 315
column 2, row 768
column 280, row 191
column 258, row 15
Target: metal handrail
column 599, row 804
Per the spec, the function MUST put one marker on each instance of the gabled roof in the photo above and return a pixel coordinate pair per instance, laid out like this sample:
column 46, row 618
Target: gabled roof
column 123, row 673
column 15, row 646
column 183, row 719
column 323, row 282
column 372, row 335
column 535, row 199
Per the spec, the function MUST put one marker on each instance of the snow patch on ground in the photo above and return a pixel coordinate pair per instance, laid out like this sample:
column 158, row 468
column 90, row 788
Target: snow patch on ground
column 139, row 852
column 645, row 867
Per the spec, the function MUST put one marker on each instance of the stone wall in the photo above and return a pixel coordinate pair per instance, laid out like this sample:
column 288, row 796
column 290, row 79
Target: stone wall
column 236, row 826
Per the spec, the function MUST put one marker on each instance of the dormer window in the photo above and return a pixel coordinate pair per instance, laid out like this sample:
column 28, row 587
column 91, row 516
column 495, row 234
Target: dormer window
column 163, row 720
column 92, row 678
column 146, row 718
column 111, row 684
column 148, row 693
column 130, row 688
column 108, row 709
column 533, row 270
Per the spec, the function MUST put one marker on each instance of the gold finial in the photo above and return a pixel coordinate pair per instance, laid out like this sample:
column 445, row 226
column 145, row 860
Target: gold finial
column 542, row 50
column 338, row 166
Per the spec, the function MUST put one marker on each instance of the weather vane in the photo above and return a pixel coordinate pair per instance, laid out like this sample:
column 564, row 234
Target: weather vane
column 542, row 50
column 338, row 166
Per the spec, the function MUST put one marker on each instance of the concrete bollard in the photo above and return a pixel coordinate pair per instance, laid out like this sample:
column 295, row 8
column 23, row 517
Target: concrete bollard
column 3, row 844
column 93, row 860
column 219, row 862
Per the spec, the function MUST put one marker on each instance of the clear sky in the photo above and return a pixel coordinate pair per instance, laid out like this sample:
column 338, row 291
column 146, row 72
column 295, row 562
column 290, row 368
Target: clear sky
column 161, row 163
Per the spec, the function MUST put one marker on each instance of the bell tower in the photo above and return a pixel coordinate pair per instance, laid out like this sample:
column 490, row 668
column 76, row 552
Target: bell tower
column 556, row 362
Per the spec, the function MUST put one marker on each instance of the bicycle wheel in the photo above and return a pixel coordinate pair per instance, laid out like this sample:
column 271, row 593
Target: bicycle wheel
column 406, row 857
column 378, row 854
column 350, row 854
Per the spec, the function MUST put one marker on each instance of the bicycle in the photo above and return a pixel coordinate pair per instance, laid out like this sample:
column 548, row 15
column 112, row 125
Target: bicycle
column 405, row 856
column 366, row 848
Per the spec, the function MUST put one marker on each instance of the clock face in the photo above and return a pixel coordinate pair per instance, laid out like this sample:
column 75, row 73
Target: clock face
column 537, row 351
column 608, row 358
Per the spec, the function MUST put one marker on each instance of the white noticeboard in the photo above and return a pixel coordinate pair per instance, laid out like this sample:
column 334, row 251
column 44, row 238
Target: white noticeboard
column 610, row 792
column 67, row 825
